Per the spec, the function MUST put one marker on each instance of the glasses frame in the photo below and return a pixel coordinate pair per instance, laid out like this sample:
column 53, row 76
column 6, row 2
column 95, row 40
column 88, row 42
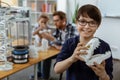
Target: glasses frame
column 90, row 23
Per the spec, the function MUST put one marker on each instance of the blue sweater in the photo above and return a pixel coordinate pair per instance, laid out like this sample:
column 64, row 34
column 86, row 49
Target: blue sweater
column 79, row 70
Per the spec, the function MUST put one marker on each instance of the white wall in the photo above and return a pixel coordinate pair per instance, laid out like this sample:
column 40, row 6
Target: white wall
column 62, row 5
column 109, row 31
column 111, row 9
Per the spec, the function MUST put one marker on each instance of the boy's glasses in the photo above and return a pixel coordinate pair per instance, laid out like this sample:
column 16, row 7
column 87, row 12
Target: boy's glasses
column 84, row 23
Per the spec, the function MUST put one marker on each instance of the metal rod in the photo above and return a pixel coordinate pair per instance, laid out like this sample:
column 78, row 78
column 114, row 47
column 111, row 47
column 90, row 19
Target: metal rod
column 17, row 33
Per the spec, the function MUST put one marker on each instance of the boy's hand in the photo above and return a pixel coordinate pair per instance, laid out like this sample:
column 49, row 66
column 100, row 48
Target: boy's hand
column 99, row 69
column 77, row 52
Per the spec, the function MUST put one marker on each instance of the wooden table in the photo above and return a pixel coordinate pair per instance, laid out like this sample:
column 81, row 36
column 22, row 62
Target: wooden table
column 32, row 61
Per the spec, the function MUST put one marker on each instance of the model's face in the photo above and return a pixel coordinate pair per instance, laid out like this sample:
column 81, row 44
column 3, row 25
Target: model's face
column 86, row 27
column 43, row 21
column 58, row 22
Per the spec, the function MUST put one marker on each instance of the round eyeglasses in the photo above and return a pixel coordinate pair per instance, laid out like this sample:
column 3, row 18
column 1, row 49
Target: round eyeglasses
column 84, row 23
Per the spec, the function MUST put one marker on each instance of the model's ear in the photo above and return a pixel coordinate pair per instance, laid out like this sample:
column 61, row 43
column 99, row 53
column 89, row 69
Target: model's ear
column 64, row 21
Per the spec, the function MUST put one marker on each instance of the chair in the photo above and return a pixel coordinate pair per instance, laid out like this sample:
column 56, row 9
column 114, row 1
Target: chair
column 60, row 77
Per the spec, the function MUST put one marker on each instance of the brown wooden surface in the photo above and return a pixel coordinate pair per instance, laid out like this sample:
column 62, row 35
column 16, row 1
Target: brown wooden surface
column 18, row 67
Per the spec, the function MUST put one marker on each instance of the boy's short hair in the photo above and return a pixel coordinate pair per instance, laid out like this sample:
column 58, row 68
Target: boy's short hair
column 43, row 16
column 90, row 11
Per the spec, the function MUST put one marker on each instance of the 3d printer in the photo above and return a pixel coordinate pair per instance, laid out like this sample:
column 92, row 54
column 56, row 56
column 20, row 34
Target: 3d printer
column 21, row 34
column 15, row 33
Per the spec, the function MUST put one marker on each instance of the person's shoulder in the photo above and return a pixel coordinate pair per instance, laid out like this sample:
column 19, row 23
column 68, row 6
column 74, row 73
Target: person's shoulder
column 73, row 40
column 103, row 42
column 71, row 24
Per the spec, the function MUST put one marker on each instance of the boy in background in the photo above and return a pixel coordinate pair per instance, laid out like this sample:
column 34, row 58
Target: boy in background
column 38, row 30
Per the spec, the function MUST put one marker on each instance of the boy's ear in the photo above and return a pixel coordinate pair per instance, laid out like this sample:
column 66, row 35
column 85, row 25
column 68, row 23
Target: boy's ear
column 64, row 21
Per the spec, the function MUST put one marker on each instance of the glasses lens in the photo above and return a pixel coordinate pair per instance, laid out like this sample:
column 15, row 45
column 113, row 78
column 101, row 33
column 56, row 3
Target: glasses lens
column 92, row 23
column 84, row 23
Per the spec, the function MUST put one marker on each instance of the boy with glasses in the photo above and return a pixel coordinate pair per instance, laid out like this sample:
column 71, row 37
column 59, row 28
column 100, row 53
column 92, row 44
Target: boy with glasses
column 73, row 55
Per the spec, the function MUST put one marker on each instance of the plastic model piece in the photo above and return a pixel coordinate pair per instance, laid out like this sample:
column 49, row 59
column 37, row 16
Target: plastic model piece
column 5, row 47
column 44, row 45
column 98, row 58
column 45, row 30
column 92, row 44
